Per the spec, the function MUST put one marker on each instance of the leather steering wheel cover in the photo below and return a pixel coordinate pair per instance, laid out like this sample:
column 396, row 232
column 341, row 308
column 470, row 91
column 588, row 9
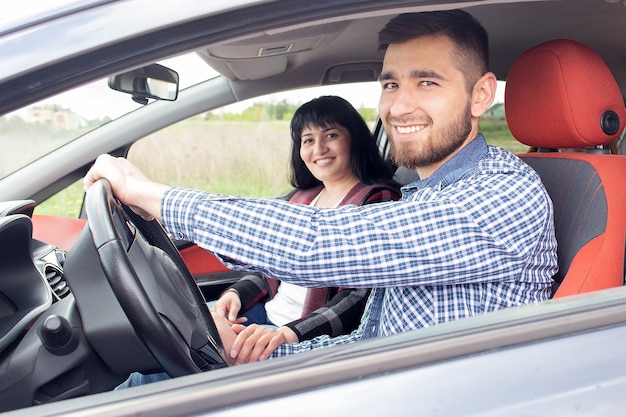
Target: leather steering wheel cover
column 163, row 342
column 156, row 236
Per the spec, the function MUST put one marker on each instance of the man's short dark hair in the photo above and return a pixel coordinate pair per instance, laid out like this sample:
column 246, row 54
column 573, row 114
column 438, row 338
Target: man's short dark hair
column 469, row 36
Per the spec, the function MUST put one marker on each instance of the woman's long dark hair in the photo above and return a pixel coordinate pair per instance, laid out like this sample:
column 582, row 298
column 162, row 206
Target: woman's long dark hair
column 326, row 111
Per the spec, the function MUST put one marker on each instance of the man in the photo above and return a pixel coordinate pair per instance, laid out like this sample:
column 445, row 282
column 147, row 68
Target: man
column 474, row 234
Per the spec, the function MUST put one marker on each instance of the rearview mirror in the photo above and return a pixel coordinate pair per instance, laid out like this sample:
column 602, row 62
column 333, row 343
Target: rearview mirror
column 153, row 81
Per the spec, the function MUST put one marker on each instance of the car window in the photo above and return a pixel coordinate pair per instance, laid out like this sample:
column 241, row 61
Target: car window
column 229, row 157
column 37, row 129
column 42, row 127
column 244, row 149
column 241, row 149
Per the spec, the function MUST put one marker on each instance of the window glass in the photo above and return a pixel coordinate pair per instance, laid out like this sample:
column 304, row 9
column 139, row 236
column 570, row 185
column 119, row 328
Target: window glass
column 37, row 129
column 230, row 157
column 241, row 149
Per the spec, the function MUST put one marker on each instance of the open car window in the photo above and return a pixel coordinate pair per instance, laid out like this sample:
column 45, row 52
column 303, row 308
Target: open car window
column 242, row 149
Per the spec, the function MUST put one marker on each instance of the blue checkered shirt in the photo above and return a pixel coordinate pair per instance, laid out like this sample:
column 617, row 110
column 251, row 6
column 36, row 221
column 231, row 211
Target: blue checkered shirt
column 476, row 236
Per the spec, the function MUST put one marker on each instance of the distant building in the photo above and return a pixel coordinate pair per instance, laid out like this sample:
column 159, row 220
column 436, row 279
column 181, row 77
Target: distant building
column 54, row 115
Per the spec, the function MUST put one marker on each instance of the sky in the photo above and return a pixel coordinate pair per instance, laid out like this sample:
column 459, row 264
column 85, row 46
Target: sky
column 358, row 94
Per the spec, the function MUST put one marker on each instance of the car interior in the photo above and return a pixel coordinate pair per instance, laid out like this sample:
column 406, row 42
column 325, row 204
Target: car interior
column 572, row 138
column 572, row 119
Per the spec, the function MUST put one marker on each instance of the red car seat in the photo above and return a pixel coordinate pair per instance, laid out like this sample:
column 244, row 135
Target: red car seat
column 562, row 99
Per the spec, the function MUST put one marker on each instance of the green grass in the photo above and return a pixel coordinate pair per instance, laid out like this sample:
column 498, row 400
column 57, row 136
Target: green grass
column 497, row 133
column 234, row 158
column 66, row 203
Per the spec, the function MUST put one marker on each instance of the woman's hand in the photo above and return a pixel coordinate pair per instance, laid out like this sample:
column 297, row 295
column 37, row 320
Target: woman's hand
column 256, row 343
column 228, row 306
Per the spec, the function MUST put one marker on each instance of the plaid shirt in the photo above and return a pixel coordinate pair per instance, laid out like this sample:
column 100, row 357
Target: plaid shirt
column 476, row 236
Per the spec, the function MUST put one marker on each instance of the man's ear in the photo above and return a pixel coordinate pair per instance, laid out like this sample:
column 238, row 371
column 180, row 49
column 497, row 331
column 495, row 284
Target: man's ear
column 483, row 94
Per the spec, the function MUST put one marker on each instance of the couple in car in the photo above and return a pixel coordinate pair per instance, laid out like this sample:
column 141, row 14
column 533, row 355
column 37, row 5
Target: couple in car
column 473, row 234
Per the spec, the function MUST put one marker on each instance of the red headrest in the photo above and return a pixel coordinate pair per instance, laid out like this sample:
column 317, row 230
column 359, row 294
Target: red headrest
column 561, row 94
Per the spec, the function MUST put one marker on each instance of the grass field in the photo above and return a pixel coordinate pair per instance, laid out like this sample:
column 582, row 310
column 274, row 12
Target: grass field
column 238, row 158
column 234, row 158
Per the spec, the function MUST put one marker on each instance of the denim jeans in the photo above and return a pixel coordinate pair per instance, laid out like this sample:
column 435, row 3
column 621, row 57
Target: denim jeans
column 135, row 379
column 258, row 315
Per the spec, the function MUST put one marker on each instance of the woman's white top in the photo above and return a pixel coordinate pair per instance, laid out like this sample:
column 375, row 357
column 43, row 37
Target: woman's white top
column 287, row 304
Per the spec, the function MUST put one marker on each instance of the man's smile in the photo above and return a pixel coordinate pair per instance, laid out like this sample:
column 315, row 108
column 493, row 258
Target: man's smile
column 410, row 129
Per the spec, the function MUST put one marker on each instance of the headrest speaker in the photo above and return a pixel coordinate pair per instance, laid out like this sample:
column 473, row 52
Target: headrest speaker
column 609, row 122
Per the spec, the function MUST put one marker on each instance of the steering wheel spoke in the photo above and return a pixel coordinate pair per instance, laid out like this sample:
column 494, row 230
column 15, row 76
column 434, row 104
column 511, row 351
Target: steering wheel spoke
column 153, row 286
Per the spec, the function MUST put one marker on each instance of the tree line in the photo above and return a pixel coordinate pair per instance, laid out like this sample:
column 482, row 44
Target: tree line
column 282, row 110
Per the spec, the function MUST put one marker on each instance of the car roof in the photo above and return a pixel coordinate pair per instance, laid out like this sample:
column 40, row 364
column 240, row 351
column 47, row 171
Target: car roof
column 15, row 19
column 282, row 45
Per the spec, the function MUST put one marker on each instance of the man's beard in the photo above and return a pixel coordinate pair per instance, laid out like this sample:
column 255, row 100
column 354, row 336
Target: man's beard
column 434, row 148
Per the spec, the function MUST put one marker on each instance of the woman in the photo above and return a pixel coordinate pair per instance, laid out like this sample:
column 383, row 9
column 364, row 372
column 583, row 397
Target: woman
column 334, row 161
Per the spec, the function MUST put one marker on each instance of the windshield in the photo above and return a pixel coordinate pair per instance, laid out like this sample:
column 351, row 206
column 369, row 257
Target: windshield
column 33, row 131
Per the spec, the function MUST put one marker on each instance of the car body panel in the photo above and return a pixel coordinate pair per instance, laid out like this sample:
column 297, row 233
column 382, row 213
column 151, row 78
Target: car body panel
column 46, row 229
column 536, row 363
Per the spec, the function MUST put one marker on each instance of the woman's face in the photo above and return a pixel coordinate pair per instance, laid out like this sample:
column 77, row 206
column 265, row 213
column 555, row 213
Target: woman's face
column 326, row 152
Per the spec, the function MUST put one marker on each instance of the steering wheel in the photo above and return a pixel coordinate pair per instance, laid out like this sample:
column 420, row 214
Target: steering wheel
column 153, row 286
